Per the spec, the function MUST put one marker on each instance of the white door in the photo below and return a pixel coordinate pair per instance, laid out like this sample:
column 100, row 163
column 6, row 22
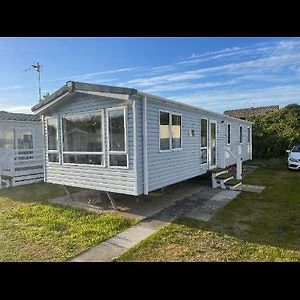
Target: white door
column 212, row 144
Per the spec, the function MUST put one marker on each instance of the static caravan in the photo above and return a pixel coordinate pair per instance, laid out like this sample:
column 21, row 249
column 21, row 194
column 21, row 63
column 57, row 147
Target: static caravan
column 120, row 140
column 21, row 149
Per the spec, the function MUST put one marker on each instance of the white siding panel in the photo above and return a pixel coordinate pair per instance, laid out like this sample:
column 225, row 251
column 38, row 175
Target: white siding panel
column 165, row 168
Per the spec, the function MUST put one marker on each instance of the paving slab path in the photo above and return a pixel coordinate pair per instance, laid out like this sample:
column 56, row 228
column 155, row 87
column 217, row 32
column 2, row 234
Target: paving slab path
column 202, row 206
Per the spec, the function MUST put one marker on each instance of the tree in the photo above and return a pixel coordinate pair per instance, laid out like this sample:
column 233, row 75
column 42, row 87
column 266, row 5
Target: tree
column 276, row 132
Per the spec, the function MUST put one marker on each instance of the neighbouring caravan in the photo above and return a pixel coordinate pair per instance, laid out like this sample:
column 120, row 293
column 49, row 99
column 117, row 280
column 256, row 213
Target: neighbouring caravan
column 21, row 149
column 120, row 140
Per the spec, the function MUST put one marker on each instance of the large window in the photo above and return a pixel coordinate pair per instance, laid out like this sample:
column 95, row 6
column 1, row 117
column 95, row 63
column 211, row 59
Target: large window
column 117, row 137
column 52, row 133
column 203, row 141
column 83, row 139
column 228, row 133
column 241, row 134
column 169, row 131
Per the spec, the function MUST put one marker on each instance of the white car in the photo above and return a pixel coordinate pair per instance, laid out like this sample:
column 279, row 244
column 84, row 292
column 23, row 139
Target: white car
column 294, row 158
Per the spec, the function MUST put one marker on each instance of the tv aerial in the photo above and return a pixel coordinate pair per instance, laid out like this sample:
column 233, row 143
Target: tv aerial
column 37, row 67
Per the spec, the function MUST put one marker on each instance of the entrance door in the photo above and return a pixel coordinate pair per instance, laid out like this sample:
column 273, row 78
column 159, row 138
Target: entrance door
column 213, row 144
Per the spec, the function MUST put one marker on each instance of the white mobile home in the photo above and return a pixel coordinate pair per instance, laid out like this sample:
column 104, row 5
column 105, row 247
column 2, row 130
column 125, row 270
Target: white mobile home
column 21, row 149
column 121, row 140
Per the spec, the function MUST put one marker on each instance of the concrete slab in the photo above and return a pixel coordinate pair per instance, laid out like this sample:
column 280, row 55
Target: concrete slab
column 225, row 195
column 251, row 188
column 101, row 253
column 198, row 214
column 131, row 236
column 210, row 207
column 154, row 224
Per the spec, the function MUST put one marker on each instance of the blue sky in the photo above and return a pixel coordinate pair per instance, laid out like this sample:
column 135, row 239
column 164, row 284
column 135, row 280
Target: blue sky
column 213, row 73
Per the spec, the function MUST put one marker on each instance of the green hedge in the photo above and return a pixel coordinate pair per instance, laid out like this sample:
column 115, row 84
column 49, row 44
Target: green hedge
column 276, row 132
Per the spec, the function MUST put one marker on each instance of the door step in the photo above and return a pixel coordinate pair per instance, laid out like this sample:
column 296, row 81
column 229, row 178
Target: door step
column 221, row 178
column 232, row 184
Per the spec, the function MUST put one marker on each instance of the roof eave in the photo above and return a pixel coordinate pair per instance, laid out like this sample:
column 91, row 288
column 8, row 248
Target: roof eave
column 72, row 86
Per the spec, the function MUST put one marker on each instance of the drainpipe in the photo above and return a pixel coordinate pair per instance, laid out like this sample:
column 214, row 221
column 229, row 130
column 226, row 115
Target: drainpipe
column 145, row 145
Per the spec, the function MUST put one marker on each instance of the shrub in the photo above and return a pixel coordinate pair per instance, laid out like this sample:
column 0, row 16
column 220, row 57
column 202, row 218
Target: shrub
column 276, row 132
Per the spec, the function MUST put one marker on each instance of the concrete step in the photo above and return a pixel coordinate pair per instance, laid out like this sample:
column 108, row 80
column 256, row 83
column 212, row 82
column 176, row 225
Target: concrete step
column 232, row 184
column 224, row 176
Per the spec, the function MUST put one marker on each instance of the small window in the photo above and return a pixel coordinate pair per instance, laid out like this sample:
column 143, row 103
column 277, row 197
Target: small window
column 203, row 141
column 117, row 137
column 203, row 156
column 176, row 131
column 241, row 134
column 249, row 134
column 203, row 132
column 23, row 138
column 169, row 131
column 164, row 130
column 52, row 134
column 53, row 157
column 228, row 133
column 6, row 139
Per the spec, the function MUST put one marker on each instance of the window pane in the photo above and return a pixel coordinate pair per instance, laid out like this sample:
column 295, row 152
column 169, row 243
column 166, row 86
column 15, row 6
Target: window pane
column 203, row 133
column 176, row 131
column 116, row 130
column 248, row 135
column 241, row 134
column 53, row 157
column 164, row 133
column 24, row 138
column 6, row 139
column 83, row 133
column 52, row 126
column 90, row 159
column 228, row 133
column 118, row 160
column 203, row 156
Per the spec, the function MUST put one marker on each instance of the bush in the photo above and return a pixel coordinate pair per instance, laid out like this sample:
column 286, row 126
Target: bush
column 276, row 132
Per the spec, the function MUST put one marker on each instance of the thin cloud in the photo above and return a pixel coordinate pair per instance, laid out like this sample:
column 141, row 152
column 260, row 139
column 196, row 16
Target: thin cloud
column 25, row 109
column 229, row 99
column 187, row 86
column 89, row 75
column 14, row 87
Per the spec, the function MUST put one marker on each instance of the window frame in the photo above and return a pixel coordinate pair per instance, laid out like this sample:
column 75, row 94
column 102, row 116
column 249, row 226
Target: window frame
column 228, row 144
column 241, row 134
column 94, row 112
column 171, row 113
column 207, row 140
column 111, row 152
column 57, row 139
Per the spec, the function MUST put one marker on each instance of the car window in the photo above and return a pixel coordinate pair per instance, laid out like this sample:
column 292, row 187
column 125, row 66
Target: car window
column 296, row 148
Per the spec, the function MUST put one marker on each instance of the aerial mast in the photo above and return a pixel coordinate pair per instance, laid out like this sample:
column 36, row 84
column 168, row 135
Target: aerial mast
column 37, row 67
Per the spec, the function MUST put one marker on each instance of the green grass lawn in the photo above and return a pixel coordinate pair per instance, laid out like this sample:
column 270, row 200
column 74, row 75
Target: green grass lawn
column 253, row 227
column 31, row 229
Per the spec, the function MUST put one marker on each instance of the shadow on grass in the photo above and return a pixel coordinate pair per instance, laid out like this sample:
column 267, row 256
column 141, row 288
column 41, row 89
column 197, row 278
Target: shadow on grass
column 37, row 192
